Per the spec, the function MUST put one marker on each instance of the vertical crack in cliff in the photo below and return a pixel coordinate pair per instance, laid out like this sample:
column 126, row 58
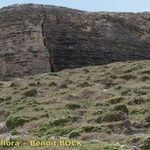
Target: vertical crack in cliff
column 52, row 68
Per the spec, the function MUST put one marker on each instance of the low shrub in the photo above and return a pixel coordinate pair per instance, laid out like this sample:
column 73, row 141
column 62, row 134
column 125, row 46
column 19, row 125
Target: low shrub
column 72, row 106
column 16, row 121
column 128, row 77
column 84, row 84
column 116, row 100
column 53, row 84
column 121, row 108
column 30, row 93
column 146, row 144
column 110, row 117
column 74, row 134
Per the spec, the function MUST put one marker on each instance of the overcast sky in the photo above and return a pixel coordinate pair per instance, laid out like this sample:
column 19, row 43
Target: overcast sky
column 91, row 5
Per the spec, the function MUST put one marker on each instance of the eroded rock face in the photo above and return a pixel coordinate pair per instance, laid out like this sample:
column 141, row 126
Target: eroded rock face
column 35, row 38
column 22, row 51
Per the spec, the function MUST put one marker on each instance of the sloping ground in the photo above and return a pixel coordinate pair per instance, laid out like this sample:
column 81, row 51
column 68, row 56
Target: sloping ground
column 106, row 107
column 37, row 38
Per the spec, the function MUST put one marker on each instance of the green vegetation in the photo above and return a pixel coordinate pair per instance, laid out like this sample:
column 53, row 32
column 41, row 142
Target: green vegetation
column 96, row 103
column 30, row 93
column 16, row 121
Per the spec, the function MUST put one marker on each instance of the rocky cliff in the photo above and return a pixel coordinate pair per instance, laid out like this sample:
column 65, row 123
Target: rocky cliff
column 37, row 38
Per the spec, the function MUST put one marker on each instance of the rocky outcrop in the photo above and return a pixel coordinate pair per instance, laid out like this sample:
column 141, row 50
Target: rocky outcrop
column 22, row 50
column 35, row 38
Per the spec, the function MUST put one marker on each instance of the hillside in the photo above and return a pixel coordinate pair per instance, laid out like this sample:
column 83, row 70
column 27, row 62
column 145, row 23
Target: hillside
column 39, row 38
column 106, row 107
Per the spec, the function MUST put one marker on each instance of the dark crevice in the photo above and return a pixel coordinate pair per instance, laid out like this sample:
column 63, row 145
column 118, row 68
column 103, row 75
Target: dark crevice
column 52, row 68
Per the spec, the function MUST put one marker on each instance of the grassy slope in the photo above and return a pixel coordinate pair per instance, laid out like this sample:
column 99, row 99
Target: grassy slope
column 107, row 103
